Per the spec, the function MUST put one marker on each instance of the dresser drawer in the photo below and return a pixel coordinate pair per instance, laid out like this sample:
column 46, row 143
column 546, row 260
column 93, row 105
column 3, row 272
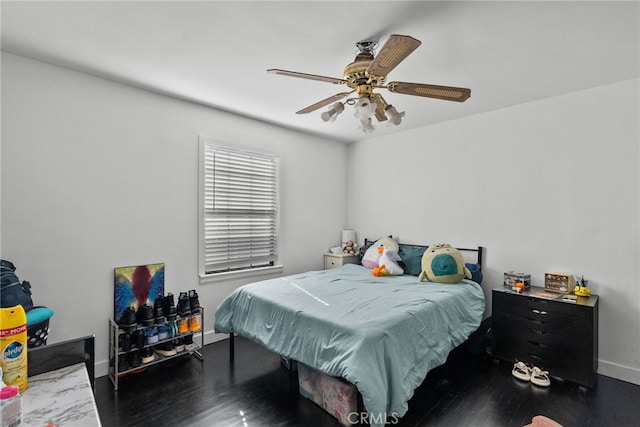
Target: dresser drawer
column 338, row 260
column 568, row 359
column 542, row 315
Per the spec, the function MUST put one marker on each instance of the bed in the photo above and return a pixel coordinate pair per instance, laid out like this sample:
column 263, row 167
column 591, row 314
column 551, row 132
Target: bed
column 382, row 334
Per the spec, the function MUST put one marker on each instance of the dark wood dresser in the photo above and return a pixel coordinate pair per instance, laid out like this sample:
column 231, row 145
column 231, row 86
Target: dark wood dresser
column 556, row 335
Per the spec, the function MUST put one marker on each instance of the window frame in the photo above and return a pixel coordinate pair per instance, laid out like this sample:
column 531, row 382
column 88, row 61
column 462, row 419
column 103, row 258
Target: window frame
column 277, row 266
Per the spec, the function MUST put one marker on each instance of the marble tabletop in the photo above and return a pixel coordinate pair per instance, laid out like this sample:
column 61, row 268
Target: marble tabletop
column 62, row 398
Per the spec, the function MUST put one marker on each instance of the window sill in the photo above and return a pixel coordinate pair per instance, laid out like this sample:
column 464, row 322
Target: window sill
column 206, row 279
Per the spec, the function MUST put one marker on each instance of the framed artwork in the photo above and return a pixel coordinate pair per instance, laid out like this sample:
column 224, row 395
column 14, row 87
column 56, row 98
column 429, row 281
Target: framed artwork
column 136, row 285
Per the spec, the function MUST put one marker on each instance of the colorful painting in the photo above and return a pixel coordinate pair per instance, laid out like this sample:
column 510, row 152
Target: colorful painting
column 137, row 285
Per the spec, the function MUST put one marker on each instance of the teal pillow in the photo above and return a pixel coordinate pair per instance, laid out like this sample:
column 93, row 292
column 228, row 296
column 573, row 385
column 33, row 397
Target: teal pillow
column 411, row 256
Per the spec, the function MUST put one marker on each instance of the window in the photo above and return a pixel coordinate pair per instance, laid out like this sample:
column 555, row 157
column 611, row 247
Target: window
column 239, row 196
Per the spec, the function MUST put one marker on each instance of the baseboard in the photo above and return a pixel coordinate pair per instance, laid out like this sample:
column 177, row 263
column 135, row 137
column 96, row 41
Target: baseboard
column 619, row 372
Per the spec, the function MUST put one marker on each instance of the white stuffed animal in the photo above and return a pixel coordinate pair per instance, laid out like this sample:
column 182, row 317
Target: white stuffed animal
column 389, row 259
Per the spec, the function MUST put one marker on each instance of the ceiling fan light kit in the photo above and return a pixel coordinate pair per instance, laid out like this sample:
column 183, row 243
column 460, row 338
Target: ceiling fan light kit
column 368, row 72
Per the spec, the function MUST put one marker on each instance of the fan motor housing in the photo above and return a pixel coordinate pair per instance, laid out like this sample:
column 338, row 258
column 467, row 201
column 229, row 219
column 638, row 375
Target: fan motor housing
column 356, row 74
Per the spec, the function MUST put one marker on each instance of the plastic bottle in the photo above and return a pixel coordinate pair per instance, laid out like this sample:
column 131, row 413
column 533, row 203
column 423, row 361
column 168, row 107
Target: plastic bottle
column 10, row 406
column 13, row 346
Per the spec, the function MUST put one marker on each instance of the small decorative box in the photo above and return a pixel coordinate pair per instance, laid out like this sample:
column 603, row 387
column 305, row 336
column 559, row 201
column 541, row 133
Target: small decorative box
column 559, row 282
column 511, row 278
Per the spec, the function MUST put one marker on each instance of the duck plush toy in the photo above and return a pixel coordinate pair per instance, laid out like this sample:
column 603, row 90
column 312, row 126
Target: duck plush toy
column 387, row 263
column 444, row 264
column 389, row 258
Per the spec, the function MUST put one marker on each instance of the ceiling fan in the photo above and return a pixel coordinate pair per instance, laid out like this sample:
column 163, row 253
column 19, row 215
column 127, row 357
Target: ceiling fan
column 368, row 72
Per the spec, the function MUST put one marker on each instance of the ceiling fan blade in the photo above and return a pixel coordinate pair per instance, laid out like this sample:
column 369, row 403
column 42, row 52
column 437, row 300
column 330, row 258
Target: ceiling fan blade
column 447, row 93
column 394, row 51
column 324, row 102
column 381, row 106
column 307, row 76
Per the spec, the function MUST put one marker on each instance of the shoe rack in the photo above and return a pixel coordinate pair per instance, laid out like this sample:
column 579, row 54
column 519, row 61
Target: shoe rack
column 123, row 361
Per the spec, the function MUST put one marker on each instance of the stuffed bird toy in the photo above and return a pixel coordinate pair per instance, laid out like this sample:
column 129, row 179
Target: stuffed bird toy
column 389, row 258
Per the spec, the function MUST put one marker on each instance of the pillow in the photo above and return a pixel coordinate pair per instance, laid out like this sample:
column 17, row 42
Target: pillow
column 476, row 272
column 367, row 244
column 411, row 256
column 371, row 256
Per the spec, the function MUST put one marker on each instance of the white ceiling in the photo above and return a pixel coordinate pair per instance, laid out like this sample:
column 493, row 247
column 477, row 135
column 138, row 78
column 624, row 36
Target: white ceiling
column 217, row 53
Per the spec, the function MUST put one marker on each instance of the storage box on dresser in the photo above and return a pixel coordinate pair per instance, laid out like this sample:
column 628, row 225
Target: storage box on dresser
column 556, row 335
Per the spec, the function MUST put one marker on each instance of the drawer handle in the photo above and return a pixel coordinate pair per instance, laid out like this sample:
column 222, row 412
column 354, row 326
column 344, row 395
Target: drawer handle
column 539, row 312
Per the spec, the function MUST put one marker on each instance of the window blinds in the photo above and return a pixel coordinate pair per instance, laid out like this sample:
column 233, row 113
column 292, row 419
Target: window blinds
column 241, row 207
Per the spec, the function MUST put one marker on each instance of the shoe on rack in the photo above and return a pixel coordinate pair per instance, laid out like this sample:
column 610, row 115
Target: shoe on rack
column 174, row 328
column 178, row 343
column 194, row 324
column 127, row 320
column 184, row 306
column 194, row 302
column 183, row 326
column 122, row 363
column 158, row 312
column 147, row 355
column 134, row 359
column 144, row 315
column 169, row 308
column 163, row 332
column 137, row 338
column 151, row 336
column 189, row 345
column 165, row 349
column 124, row 341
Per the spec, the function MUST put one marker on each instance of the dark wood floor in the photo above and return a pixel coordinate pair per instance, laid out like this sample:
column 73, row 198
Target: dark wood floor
column 469, row 390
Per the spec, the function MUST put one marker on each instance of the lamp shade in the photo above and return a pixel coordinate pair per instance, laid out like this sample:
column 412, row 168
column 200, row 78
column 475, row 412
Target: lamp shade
column 347, row 235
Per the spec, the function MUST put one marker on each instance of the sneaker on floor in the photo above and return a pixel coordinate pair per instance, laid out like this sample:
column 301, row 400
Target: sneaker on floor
column 521, row 371
column 194, row 324
column 144, row 315
column 194, row 302
column 540, row 377
column 184, row 306
column 165, row 349
column 147, row 355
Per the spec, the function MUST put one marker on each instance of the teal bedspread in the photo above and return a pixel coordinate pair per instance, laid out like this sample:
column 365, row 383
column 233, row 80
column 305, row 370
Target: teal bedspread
column 383, row 334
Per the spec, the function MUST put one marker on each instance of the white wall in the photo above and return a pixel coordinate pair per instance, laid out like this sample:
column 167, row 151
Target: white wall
column 97, row 175
column 547, row 186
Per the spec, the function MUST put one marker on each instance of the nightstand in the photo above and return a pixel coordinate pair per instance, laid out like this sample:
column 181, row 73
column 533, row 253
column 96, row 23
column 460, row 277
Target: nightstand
column 556, row 335
column 338, row 260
